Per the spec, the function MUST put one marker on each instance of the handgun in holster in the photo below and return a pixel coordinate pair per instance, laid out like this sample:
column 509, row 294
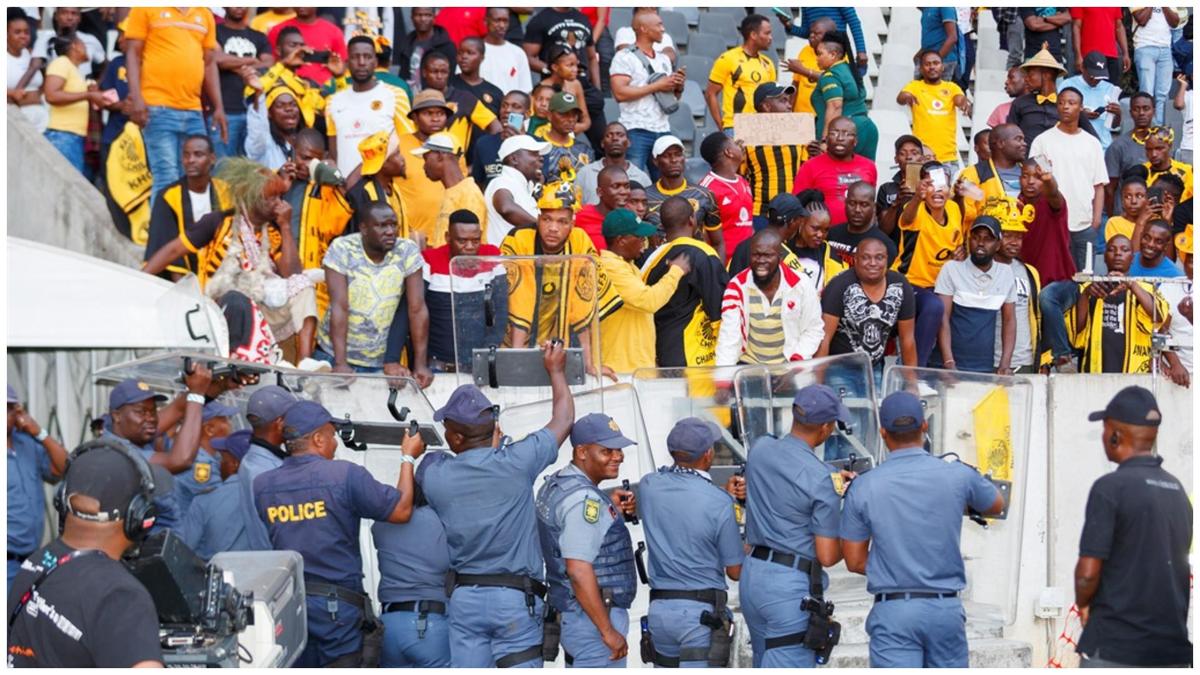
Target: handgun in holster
column 647, row 642
column 720, row 644
column 551, row 633
column 823, row 632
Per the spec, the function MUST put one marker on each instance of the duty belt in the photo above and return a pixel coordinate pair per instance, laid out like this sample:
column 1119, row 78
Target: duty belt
column 781, row 558
column 514, row 581
column 313, row 587
column 422, row 606
column 920, row 595
column 710, row 596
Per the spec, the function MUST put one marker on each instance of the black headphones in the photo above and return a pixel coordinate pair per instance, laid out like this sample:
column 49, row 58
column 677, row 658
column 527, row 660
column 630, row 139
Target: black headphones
column 138, row 516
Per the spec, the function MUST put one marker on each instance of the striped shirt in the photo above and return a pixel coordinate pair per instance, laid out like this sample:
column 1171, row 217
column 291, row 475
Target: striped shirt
column 771, row 170
column 764, row 334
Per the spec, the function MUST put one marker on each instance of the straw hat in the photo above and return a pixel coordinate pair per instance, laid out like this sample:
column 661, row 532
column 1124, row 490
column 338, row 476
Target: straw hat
column 1044, row 59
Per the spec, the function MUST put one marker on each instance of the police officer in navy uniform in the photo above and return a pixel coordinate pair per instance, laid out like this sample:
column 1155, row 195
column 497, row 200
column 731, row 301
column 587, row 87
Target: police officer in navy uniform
column 1133, row 578
column 33, row 457
column 205, row 473
column 909, row 512
column 587, row 547
column 692, row 535
column 264, row 412
column 313, row 504
column 793, row 511
column 413, row 562
column 137, row 422
column 484, row 496
column 214, row 522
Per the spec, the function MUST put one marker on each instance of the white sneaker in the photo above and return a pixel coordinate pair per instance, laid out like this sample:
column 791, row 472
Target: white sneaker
column 314, row 365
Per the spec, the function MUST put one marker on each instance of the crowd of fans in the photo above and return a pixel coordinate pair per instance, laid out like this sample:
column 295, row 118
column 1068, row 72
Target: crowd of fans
column 320, row 179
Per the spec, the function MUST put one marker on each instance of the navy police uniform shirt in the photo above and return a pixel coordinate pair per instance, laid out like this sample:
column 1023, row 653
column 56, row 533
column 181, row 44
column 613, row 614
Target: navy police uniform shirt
column 260, row 458
column 791, row 495
column 691, row 530
column 413, row 558
column 484, row 498
column 313, row 506
column 215, row 522
column 28, row 466
column 911, row 508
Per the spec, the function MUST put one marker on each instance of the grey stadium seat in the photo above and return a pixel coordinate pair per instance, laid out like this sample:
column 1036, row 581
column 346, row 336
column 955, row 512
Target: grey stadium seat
column 612, row 111
column 693, row 96
column 709, row 45
column 676, row 26
column 698, row 68
column 682, row 124
column 721, row 24
column 619, row 17
column 695, row 169
column 692, row 14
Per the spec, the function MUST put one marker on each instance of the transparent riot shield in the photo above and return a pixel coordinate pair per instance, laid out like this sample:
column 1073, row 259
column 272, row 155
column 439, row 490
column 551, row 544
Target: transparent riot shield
column 764, row 404
column 490, row 314
column 983, row 420
column 188, row 317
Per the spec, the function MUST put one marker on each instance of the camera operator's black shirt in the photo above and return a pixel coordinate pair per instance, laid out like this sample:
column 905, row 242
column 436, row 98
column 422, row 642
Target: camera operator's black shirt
column 1139, row 522
column 91, row 613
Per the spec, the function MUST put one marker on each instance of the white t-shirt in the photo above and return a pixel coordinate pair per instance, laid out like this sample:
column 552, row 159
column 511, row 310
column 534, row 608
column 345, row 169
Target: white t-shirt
column 1156, row 32
column 353, row 115
column 17, row 65
column 1180, row 329
column 1078, row 166
column 95, row 50
column 506, row 66
column 625, row 37
column 522, row 192
column 201, row 204
column 642, row 113
column 1023, row 347
column 1186, row 143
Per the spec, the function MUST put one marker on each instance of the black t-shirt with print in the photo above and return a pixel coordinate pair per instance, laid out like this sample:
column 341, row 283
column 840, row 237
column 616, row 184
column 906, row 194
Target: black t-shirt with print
column 864, row 325
column 571, row 28
column 242, row 42
column 90, row 613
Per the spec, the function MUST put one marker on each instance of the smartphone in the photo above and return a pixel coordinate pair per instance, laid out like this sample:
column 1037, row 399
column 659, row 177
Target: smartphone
column 912, row 176
column 938, row 176
column 1154, row 196
column 1044, row 162
column 783, row 14
column 516, row 121
column 316, row 57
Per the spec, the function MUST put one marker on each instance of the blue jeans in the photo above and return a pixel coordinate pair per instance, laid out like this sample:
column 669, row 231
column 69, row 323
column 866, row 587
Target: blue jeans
column 69, row 144
column 929, row 322
column 848, row 383
column 1054, row 300
column 641, row 142
column 163, row 136
column 237, row 137
column 921, row 633
column 581, row 639
column 489, row 623
column 322, row 355
column 675, row 624
column 1154, row 67
column 771, row 596
column 403, row 647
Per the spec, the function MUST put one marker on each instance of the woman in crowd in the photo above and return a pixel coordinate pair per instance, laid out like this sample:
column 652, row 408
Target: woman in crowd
column 840, row 92
column 69, row 96
column 29, row 98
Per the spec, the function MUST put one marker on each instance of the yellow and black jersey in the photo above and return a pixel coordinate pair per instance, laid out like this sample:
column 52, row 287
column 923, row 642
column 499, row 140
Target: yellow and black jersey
column 704, row 204
column 470, row 114
column 317, row 222
column 771, row 170
column 926, row 245
column 739, row 74
column 172, row 215
column 686, row 327
column 1118, row 332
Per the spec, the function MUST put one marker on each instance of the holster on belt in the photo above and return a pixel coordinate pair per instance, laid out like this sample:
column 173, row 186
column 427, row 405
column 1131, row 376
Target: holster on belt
column 647, row 643
column 720, row 620
column 372, row 628
column 551, row 633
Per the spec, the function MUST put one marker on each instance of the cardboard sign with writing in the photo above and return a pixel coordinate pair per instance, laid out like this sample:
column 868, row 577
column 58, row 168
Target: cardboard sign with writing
column 774, row 128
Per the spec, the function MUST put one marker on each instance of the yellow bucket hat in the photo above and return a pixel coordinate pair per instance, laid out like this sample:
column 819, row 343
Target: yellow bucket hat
column 375, row 149
column 1183, row 240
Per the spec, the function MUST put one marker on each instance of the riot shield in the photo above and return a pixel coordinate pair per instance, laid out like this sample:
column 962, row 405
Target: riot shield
column 764, row 403
column 490, row 314
column 984, row 420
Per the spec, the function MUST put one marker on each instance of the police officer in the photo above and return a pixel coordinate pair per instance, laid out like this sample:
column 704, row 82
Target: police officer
column 1133, row 580
column 909, row 511
column 214, row 521
column 587, row 548
column 483, row 495
column 136, row 422
column 264, row 413
column 312, row 504
column 692, row 535
column 413, row 562
column 206, row 470
column 33, row 457
column 793, row 509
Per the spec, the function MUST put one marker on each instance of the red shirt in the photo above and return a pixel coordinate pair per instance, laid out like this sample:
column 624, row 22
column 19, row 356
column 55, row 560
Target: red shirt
column 462, row 22
column 319, row 36
column 735, row 203
column 1097, row 30
column 833, row 179
column 591, row 221
column 1047, row 245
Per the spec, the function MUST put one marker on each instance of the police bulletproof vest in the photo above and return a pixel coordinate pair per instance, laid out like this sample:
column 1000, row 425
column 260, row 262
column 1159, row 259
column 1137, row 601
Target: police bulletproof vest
column 613, row 565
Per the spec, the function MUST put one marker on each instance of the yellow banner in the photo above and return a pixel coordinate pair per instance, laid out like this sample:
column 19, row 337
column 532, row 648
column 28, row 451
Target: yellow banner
column 993, row 434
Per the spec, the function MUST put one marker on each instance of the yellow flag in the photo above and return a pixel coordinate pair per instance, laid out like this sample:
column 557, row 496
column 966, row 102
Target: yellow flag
column 129, row 180
column 993, row 434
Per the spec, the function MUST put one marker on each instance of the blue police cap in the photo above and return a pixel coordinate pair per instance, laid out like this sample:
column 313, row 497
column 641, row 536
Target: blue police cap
column 132, row 391
column 236, row 444
column 466, row 405
column 693, row 437
column 303, row 418
column 12, row 395
column 818, row 404
column 598, row 429
column 268, row 404
column 214, row 409
column 1132, row 405
column 901, row 412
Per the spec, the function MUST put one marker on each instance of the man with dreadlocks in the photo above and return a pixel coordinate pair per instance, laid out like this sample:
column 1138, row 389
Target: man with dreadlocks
column 251, row 249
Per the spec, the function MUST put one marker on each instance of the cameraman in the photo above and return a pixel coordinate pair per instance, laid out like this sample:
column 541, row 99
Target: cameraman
column 909, row 511
column 73, row 604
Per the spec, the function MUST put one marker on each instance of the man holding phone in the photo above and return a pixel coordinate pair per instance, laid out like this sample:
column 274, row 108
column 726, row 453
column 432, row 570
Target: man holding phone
column 639, row 74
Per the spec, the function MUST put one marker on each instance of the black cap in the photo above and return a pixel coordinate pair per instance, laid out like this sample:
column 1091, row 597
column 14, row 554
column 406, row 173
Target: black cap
column 784, row 206
column 768, row 90
column 1132, row 405
column 908, row 138
column 100, row 470
column 989, row 223
column 1096, row 65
